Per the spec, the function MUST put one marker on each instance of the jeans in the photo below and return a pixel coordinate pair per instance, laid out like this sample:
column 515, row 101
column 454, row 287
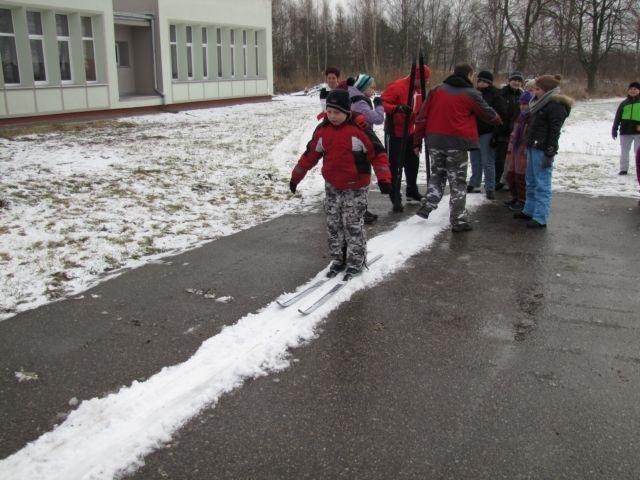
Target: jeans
column 484, row 160
column 538, row 204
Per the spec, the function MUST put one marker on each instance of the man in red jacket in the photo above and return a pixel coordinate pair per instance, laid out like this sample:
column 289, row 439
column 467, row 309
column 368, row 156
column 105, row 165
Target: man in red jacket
column 394, row 100
column 348, row 151
column 447, row 120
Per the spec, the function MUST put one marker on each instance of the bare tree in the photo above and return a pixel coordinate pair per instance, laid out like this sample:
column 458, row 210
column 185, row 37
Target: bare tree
column 521, row 16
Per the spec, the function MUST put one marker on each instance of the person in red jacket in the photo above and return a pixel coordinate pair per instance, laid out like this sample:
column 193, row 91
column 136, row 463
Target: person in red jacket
column 348, row 148
column 394, row 100
column 447, row 120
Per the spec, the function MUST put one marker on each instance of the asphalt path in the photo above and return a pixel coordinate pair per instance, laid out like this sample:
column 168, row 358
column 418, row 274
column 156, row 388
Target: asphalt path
column 500, row 353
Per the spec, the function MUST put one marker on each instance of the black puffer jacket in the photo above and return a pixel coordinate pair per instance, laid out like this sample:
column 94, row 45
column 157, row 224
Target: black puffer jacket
column 512, row 99
column 492, row 96
column 546, row 124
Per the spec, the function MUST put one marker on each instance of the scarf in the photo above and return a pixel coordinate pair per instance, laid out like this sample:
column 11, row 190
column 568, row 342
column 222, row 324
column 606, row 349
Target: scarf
column 537, row 103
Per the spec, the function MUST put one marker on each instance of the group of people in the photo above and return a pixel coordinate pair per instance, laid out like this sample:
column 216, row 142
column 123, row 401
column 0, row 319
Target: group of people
column 512, row 135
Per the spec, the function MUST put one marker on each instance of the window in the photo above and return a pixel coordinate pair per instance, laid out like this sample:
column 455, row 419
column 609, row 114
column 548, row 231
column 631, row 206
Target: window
column 244, row 52
column 122, row 54
column 87, row 48
column 232, row 46
column 219, row 51
column 8, row 54
column 64, row 52
column 255, row 38
column 174, row 51
column 189, row 53
column 36, row 39
column 205, row 55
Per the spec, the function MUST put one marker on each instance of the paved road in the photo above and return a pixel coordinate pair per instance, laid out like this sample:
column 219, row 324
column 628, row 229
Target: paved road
column 501, row 353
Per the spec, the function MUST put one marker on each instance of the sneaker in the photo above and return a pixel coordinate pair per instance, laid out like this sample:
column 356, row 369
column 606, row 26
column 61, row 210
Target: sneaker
column 622, row 172
column 517, row 207
column 522, row 216
column 423, row 211
column 472, row 189
column 369, row 217
column 534, row 224
column 491, row 195
column 415, row 196
column 335, row 268
column 351, row 272
column 461, row 227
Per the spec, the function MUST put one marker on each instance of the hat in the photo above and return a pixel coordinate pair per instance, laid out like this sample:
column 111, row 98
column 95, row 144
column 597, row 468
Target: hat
column 339, row 99
column 363, row 81
column 516, row 76
column 427, row 72
column 526, row 97
column 548, row 82
column 634, row 85
column 485, row 76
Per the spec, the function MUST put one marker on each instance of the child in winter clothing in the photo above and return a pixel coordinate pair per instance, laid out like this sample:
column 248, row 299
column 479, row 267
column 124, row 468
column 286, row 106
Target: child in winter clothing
column 548, row 112
column 628, row 121
column 348, row 152
column 517, row 156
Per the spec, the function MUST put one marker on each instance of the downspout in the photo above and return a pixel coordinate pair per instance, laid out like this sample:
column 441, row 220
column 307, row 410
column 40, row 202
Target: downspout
column 153, row 48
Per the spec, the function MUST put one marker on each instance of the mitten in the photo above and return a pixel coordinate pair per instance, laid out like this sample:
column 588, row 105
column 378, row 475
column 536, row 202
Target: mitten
column 385, row 187
column 377, row 101
column 292, row 186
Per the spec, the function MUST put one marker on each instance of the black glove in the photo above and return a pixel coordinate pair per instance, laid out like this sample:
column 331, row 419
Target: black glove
column 323, row 93
column 614, row 133
column 546, row 162
column 385, row 187
column 377, row 101
column 292, row 186
column 406, row 109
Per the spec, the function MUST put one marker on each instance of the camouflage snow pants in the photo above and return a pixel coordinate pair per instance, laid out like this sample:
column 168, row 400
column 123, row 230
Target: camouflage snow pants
column 345, row 224
column 452, row 165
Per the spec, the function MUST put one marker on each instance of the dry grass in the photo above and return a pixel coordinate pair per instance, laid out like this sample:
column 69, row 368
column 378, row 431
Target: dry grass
column 11, row 133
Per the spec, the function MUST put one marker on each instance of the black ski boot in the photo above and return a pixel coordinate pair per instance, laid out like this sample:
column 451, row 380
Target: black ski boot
column 335, row 268
column 351, row 272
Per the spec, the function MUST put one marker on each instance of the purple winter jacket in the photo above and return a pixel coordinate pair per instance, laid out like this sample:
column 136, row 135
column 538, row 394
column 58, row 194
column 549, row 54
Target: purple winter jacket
column 374, row 116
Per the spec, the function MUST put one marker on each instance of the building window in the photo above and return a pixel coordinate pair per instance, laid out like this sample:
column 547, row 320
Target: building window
column 255, row 39
column 232, row 47
column 219, row 51
column 64, row 52
column 122, row 54
column 205, row 54
column 174, row 51
column 244, row 52
column 36, row 39
column 87, row 49
column 8, row 54
column 189, row 53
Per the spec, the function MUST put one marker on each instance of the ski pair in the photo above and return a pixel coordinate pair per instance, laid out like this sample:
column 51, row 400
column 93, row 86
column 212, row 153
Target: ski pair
column 314, row 286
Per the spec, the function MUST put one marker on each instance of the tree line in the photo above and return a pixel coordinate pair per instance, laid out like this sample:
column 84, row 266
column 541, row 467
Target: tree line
column 587, row 39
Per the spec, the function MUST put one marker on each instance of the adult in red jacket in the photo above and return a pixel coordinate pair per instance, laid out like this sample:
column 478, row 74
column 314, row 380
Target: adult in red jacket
column 447, row 120
column 394, row 100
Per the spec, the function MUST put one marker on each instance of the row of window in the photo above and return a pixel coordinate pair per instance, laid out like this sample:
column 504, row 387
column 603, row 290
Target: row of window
column 204, row 48
column 9, row 50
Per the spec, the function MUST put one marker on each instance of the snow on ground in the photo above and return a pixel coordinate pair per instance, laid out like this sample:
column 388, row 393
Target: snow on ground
column 144, row 187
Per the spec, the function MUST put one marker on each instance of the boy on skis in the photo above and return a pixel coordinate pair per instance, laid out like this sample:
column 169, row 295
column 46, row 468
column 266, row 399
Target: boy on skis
column 348, row 151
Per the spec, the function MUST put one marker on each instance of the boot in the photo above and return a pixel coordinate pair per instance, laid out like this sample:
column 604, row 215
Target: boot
column 491, row 195
column 351, row 272
column 461, row 227
column 335, row 268
column 522, row 216
column 423, row 211
column 369, row 217
column 534, row 224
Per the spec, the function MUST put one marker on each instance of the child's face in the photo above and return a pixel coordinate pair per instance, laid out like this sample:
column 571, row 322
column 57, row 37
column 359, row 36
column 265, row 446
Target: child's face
column 634, row 92
column 538, row 92
column 332, row 81
column 370, row 91
column 335, row 116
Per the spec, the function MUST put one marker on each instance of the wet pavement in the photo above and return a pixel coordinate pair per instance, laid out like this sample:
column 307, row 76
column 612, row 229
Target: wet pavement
column 500, row 353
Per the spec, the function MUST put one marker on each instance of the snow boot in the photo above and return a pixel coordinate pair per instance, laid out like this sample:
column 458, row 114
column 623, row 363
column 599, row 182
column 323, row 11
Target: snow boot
column 369, row 217
column 335, row 268
column 351, row 272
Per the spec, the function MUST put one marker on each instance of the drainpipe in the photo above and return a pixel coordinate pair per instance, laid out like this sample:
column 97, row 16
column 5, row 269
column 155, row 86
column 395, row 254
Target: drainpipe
column 153, row 48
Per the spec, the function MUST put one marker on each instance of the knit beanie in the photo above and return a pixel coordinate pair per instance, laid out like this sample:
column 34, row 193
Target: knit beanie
column 526, row 97
column 339, row 99
column 363, row 81
column 634, row 85
column 548, row 82
column 516, row 76
column 485, row 76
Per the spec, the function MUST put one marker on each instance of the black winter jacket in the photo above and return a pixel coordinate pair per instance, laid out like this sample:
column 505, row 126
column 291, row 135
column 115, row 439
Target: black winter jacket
column 512, row 99
column 627, row 117
column 546, row 124
column 492, row 96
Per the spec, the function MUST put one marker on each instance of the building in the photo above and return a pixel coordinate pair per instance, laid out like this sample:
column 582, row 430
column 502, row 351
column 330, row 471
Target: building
column 75, row 56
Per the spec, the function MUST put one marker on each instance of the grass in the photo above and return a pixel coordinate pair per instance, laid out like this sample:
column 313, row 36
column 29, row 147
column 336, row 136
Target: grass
column 13, row 133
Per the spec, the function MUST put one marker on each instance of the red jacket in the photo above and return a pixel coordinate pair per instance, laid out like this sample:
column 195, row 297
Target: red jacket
column 448, row 117
column 347, row 153
column 397, row 93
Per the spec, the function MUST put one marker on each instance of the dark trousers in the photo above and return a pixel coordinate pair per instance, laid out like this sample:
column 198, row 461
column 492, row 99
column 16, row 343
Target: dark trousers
column 394, row 147
column 501, row 155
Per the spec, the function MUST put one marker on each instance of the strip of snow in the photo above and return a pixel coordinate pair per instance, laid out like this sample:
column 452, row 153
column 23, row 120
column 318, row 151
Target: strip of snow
column 105, row 437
